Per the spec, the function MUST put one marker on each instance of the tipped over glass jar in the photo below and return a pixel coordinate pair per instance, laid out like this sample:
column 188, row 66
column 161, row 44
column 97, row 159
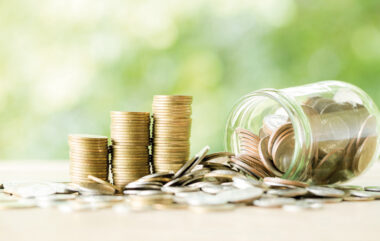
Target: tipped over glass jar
column 322, row 133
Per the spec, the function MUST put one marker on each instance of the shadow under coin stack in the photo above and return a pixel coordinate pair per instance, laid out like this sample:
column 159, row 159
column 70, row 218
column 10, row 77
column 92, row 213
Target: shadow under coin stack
column 88, row 156
column 130, row 135
column 171, row 131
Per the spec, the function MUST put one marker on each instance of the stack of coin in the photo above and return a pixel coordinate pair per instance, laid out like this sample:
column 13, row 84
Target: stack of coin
column 88, row 156
column 171, row 131
column 130, row 135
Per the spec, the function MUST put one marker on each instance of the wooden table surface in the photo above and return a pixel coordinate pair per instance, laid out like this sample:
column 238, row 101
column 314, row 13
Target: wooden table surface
column 344, row 221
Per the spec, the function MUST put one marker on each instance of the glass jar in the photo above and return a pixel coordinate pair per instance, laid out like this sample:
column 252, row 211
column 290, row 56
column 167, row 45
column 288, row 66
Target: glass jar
column 321, row 133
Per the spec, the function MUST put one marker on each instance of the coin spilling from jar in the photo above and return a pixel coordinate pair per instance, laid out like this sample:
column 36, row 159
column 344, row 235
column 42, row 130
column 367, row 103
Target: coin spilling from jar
column 205, row 183
column 343, row 143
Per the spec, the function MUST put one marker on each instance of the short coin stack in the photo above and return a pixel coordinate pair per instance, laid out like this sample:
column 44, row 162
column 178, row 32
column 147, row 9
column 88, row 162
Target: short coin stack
column 171, row 131
column 88, row 156
column 130, row 135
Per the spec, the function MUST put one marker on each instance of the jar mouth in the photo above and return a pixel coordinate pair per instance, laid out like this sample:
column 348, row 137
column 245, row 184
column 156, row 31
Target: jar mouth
column 303, row 139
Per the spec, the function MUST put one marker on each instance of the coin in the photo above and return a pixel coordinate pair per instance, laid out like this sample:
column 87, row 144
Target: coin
column 100, row 181
column 130, row 133
column 276, row 134
column 358, row 199
column 265, row 157
column 290, row 192
column 275, row 181
column 88, row 156
column 171, row 131
column 368, row 194
column 282, row 152
column 372, row 188
column 272, row 122
column 273, row 202
column 240, row 195
column 327, row 166
column 364, row 155
column 367, row 129
column 325, row 191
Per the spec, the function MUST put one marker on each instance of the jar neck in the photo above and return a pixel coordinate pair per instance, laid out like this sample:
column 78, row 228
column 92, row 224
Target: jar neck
column 303, row 135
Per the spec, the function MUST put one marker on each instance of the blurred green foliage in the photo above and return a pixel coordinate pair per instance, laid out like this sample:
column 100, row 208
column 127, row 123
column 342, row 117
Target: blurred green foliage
column 65, row 64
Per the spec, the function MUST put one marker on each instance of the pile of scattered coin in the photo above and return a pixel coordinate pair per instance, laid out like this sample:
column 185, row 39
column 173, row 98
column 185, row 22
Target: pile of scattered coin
column 88, row 156
column 130, row 134
column 206, row 183
column 344, row 143
column 171, row 131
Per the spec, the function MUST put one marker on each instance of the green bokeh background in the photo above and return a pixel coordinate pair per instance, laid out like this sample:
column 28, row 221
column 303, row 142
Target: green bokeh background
column 64, row 65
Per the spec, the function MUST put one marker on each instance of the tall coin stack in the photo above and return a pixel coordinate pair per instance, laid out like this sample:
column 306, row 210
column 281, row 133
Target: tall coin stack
column 130, row 135
column 88, row 156
column 171, row 131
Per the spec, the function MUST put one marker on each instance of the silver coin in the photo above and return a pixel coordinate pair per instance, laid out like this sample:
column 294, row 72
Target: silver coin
column 368, row 194
column 325, row 191
column 240, row 195
column 273, row 202
column 201, row 198
column 57, row 197
column 101, row 198
column 358, row 199
column 212, row 208
column 142, row 192
column 242, row 183
column 290, row 192
column 323, row 200
column 17, row 205
column 212, row 188
column 372, row 188
column 171, row 189
column 348, row 187
column 301, row 206
column 189, row 165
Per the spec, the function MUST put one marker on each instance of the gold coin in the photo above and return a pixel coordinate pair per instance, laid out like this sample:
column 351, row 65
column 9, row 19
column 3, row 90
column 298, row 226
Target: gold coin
column 280, row 131
column 128, row 178
column 285, row 182
column 87, row 158
column 283, row 152
column 130, row 172
column 334, row 134
column 166, row 109
column 89, row 162
column 132, row 131
column 327, row 166
column 247, row 133
column 130, row 114
column 88, row 143
column 365, row 154
column 89, row 150
column 367, row 129
column 84, row 177
column 171, row 129
column 265, row 158
column 96, row 155
column 321, row 103
column 104, row 183
column 171, row 155
column 130, row 151
column 173, row 97
column 130, row 158
column 88, row 167
column 173, row 144
column 87, row 137
column 130, row 161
